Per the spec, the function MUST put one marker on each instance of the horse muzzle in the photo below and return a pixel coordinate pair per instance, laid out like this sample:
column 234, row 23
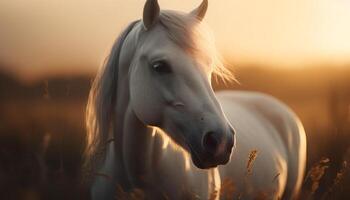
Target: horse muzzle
column 216, row 149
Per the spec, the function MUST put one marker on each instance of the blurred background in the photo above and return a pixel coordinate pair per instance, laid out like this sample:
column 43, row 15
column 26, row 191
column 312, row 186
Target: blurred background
column 295, row 50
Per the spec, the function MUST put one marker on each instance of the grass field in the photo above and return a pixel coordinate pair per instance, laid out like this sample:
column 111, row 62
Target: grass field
column 42, row 131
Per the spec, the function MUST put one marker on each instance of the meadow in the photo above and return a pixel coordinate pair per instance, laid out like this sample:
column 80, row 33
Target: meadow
column 42, row 130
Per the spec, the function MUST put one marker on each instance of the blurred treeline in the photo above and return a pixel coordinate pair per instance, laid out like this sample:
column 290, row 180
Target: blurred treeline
column 42, row 128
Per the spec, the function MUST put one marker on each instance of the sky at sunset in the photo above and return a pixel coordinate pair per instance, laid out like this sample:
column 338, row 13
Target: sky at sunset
column 60, row 36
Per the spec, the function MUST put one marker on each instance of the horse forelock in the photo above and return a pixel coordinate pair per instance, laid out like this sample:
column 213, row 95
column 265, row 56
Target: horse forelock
column 194, row 37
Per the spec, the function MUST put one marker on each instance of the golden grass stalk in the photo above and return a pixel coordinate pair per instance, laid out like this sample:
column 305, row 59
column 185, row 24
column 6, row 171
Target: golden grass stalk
column 340, row 176
column 252, row 156
column 316, row 173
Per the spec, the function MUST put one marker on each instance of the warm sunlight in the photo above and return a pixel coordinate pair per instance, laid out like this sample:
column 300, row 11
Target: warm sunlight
column 40, row 37
column 115, row 99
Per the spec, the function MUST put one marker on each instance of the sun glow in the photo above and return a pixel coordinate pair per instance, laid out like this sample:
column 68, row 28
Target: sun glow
column 214, row 182
column 167, row 142
column 205, row 42
column 165, row 137
column 43, row 38
column 187, row 162
column 153, row 132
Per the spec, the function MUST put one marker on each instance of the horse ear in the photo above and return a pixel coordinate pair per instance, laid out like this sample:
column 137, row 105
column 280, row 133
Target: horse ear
column 200, row 11
column 150, row 13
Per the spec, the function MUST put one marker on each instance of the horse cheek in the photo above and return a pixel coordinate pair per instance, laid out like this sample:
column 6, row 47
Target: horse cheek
column 145, row 105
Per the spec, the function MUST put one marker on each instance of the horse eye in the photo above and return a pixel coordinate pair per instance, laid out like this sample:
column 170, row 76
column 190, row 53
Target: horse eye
column 161, row 67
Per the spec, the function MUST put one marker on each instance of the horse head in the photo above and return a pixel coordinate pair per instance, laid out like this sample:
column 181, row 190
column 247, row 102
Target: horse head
column 170, row 83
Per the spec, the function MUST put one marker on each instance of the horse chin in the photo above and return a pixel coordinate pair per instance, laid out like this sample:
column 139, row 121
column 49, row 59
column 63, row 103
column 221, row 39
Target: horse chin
column 205, row 163
column 201, row 164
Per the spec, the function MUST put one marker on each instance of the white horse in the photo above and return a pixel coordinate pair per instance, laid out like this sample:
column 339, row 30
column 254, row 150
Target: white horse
column 156, row 88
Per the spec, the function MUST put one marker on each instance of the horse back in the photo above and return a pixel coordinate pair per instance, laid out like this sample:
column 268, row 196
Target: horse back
column 264, row 117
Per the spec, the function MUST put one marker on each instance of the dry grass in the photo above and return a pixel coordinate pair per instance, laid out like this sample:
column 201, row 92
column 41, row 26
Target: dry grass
column 252, row 156
column 314, row 179
column 42, row 134
column 340, row 176
column 227, row 189
column 316, row 173
column 135, row 194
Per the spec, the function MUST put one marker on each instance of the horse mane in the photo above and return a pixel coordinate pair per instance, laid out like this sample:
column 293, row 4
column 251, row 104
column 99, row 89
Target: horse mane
column 184, row 30
column 100, row 106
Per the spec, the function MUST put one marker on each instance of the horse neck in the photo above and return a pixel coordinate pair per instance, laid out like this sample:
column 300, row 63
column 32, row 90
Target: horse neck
column 133, row 140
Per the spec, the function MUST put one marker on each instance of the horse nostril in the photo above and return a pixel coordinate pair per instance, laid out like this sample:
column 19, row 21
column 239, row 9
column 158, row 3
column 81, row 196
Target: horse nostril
column 210, row 142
